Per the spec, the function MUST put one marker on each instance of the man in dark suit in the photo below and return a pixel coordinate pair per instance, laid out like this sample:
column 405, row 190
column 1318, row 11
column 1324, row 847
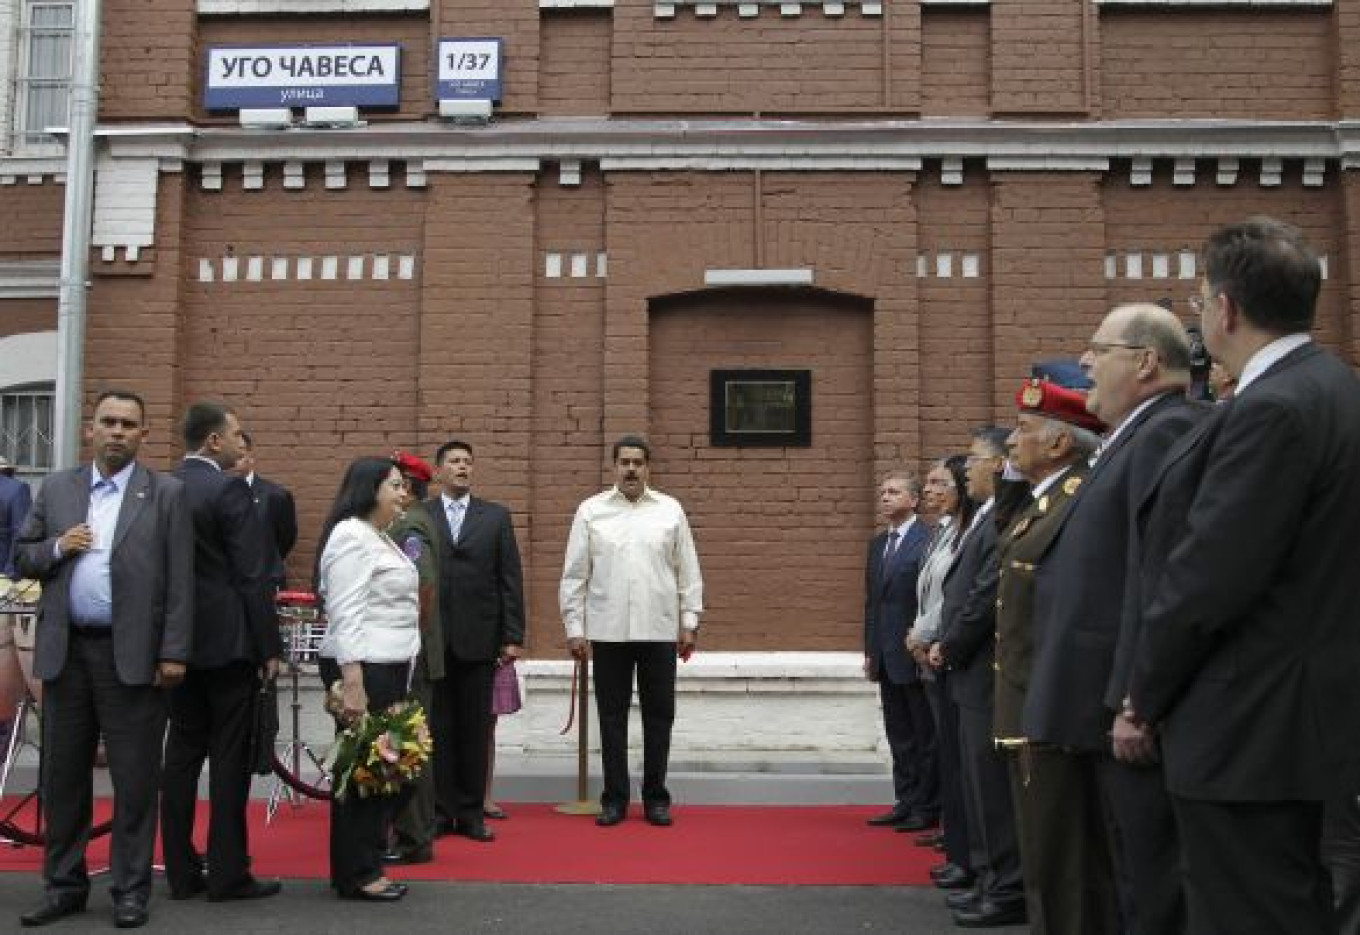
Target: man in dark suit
column 236, row 644
column 1068, row 883
column 277, row 509
column 1086, row 604
column 967, row 648
column 481, row 606
column 15, row 500
column 1250, row 648
column 113, row 547
column 890, row 572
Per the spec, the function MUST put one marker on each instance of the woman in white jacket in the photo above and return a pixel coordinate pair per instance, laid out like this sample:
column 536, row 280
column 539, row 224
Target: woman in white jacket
column 369, row 589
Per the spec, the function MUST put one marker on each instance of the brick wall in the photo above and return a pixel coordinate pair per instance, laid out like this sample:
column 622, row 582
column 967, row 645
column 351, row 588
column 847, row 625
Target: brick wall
column 780, row 531
column 1041, row 57
column 149, row 65
column 573, row 77
column 568, row 449
column 955, row 68
column 1260, row 64
column 25, row 316
column 515, row 21
column 320, row 370
column 805, row 64
column 32, row 219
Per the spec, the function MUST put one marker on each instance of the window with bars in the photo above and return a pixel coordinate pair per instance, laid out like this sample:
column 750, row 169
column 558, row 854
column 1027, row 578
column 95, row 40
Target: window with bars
column 42, row 81
column 26, row 427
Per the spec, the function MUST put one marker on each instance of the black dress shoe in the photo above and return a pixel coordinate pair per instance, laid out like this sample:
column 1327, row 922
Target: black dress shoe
column 659, row 815
column 940, row 870
column 954, row 878
column 987, row 914
column 417, row 855
column 610, row 815
column 475, row 832
column 917, row 823
column 129, row 912
column 894, row 817
column 929, row 839
column 52, row 909
column 962, row 899
column 387, row 894
column 252, row 889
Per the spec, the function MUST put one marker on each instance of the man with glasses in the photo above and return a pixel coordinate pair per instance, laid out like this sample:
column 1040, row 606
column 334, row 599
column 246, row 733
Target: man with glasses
column 1086, row 608
column 1249, row 652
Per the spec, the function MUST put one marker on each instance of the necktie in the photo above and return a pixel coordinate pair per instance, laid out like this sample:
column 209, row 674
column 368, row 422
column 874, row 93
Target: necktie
column 891, row 550
column 455, row 519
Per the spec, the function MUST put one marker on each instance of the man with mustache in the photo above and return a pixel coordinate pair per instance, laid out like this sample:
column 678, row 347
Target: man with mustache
column 631, row 596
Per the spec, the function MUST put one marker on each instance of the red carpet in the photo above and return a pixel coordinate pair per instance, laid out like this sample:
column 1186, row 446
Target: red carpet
column 707, row 844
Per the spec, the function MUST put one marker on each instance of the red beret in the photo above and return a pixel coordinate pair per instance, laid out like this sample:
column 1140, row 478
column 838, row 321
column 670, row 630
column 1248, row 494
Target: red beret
column 1055, row 402
column 413, row 467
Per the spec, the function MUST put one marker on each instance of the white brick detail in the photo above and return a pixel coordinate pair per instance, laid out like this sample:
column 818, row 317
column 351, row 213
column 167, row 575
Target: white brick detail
column 354, row 268
column 569, row 172
column 1185, row 263
column 1140, row 172
column 294, row 175
column 211, row 177
column 330, row 267
column 379, row 174
column 1227, row 171
column 335, row 174
column 303, row 7
column 552, row 266
column 406, row 267
column 951, row 170
column 1272, row 171
column 125, row 202
column 1183, row 172
column 1313, row 172
column 579, row 266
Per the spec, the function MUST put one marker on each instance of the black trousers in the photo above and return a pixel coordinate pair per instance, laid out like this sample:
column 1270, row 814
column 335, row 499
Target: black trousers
column 993, row 840
column 84, row 700
column 1254, row 868
column 1145, row 847
column 359, row 826
column 1069, row 879
column 910, row 730
column 211, row 716
column 462, row 717
column 953, row 815
column 614, row 666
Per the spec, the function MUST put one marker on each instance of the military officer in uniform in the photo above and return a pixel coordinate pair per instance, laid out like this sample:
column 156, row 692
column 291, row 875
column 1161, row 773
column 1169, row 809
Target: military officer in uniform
column 1069, row 889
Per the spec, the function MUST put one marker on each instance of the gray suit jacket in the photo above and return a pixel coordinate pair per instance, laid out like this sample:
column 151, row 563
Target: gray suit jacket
column 151, row 568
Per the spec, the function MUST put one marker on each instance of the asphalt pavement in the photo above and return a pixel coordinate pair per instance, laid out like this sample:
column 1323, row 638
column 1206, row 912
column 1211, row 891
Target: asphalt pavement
column 307, row 907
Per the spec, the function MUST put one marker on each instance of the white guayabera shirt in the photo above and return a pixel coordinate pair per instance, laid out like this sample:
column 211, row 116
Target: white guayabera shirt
column 631, row 571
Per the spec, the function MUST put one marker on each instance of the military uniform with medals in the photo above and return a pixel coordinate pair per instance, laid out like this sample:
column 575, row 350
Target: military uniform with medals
column 1069, row 887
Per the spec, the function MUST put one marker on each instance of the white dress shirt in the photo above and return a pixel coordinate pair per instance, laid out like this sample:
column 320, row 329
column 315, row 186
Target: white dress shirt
column 370, row 589
column 91, row 588
column 631, row 572
column 1267, row 357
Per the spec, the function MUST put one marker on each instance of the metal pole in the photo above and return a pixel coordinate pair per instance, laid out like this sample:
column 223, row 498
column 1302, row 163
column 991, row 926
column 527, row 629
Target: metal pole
column 75, row 234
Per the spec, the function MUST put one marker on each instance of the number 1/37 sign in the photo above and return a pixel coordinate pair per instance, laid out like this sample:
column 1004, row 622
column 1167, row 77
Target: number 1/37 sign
column 469, row 69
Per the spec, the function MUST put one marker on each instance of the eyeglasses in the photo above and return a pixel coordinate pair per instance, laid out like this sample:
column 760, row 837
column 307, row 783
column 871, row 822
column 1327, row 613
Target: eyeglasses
column 942, row 484
column 1199, row 303
column 1099, row 348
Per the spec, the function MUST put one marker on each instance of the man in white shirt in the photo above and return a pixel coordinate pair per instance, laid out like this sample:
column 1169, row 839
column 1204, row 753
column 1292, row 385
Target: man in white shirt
column 631, row 596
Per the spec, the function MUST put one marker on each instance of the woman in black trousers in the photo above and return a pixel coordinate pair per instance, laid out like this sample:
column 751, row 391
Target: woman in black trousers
column 369, row 589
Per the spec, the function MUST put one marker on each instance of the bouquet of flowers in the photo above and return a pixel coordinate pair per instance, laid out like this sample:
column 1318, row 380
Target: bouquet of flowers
column 380, row 753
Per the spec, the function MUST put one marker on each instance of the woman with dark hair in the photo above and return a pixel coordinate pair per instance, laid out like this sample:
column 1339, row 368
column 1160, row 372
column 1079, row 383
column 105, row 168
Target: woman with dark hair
column 369, row 588
column 944, row 493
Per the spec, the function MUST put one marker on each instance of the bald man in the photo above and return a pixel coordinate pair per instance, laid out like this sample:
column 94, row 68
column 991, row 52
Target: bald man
column 1087, row 608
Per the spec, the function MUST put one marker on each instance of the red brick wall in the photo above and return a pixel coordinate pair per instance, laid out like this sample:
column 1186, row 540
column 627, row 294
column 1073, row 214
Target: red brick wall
column 25, row 316
column 780, row 531
column 1254, row 63
column 568, row 404
column 573, row 77
column 32, row 219
column 1048, row 287
column 955, row 68
column 805, row 64
column 1041, row 57
column 320, row 371
column 1163, row 216
column 956, row 321
column 149, row 65
column 411, row 32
